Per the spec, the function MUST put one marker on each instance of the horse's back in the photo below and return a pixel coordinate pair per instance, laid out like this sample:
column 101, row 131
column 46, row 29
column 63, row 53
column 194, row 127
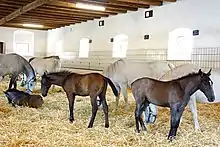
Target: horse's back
column 50, row 65
column 155, row 91
column 11, row 63
column 152, row 69
column 83, row 84
column 35, row 101
column 179, row 71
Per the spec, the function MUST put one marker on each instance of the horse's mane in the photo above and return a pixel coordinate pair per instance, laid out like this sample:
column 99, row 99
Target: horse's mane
column 55, row 57
column 177, row 79
column 48, row 57
column 187, row 76
column 112, row 68
column 61, row 73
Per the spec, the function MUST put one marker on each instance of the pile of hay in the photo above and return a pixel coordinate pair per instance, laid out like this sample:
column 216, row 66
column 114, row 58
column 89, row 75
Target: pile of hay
column 49, row 125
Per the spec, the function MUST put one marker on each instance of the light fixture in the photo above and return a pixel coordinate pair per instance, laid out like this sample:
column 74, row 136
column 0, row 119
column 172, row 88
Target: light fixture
column 90, row 7
column 33, row 25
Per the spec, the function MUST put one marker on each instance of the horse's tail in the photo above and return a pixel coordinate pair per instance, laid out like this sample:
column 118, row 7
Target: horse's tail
column 115, row 91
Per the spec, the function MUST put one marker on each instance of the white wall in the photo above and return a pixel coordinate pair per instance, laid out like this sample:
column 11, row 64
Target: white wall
column 193, row 14
column 40, row 39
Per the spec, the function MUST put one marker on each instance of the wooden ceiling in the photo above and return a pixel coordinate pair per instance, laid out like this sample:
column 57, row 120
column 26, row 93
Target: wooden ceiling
column 58, row 13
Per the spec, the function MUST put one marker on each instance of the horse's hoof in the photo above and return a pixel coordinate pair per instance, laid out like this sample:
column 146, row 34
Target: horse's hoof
column 106, row 125
column 71, row 120
column 171, row 138
column 137, row 131
column 90, row 126
column 197, row 129
column 144, row 129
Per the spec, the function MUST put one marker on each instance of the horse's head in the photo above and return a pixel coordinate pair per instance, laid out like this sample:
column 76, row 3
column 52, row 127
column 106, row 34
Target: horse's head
column 30, row 85
column 206, row 85
column 45, row 85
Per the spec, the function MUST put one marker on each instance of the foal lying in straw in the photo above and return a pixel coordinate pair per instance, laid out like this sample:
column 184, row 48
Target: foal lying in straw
column 20, row 98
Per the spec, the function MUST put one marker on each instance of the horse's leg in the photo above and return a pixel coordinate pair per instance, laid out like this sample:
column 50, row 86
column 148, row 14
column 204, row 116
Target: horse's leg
column 94, row 110
column 143, row 107
column 15, row 82
column 192, row 106
column 136, row 117
column 140, row 106
column 117, row 98
column 125, row 94
column 12, row 82
column 71, row 99
column 176, row 113
column 105, row 107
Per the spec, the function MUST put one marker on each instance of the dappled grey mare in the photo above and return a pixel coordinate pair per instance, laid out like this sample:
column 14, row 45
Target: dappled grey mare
column 14, row 64
column 124, row 72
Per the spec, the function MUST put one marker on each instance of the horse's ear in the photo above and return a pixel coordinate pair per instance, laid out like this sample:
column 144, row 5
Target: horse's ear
column 200, row 71
column 209, row 73
column 45, row 73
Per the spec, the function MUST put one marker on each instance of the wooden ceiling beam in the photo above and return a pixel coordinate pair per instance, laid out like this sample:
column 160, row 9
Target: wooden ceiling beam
column 57, row 16
column 23, row 10
column 78, row 10
column 169, row 0
column 104, row 3
column 143, row 2
column 24, row 20
column 45, row 24
column 20, row 26
column 9, row 6
column 69, row 13
column 111, row 2
column 129, row 4
column 49, row 18
column 73, row 5
column 5, row 11
column 60, row 15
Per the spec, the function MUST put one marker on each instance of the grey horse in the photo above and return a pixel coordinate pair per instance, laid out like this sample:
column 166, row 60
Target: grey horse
column 13, row 64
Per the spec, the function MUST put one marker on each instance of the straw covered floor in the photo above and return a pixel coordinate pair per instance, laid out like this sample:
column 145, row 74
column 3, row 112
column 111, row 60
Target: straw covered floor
column 49, row 126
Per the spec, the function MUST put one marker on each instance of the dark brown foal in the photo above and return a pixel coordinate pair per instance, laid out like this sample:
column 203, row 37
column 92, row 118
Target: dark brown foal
column 91, row 84
column 174, row 94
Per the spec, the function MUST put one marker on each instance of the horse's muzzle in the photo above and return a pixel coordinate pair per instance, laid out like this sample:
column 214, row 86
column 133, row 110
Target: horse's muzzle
column 44, row 95
column 211, row 99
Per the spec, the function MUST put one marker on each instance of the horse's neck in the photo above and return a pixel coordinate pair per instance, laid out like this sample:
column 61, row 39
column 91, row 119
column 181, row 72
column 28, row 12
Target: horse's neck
column 189, row 85
column 57, row 80
column 28, row 71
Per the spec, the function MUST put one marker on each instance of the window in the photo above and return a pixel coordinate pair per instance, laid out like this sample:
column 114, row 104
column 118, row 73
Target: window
column 23, row 43
column 180, row 44
column 120, row 46
column 22, row 47
column 84, row 48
